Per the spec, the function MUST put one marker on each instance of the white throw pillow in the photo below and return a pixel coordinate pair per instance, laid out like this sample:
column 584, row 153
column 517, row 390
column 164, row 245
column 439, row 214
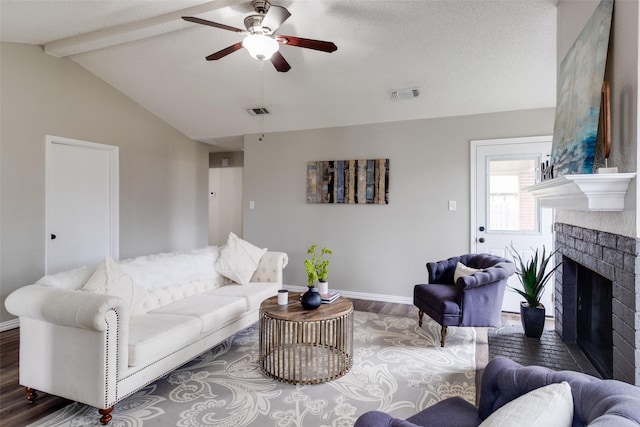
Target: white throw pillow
column 69, row 279
column 239, row 259
column 463, row 270
column 548, row 406
column 109, row 279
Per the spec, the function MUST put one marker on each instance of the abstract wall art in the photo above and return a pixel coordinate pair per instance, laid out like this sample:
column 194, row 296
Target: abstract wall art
column 348, row 181
column 579, row 91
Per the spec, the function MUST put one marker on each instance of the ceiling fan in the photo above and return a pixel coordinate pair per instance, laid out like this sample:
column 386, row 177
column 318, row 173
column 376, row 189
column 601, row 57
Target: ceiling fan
column 261, row 41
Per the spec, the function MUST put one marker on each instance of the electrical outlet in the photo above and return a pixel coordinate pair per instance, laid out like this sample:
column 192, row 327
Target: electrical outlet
column 252, row 204
column 452, row 205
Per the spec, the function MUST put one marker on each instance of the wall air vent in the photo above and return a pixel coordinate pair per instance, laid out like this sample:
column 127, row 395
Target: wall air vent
column 399, row 94
column 257, row 111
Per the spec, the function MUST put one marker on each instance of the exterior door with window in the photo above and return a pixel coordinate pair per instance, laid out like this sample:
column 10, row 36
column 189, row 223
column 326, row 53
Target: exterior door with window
column 505, row 214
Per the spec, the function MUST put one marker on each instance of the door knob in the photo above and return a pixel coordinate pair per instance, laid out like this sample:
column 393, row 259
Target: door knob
column 53, row 237
column 481, row 228
column 481, row 240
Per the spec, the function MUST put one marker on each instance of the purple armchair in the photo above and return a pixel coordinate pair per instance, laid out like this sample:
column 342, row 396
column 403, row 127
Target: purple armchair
column 474, row 300
column 607, row 403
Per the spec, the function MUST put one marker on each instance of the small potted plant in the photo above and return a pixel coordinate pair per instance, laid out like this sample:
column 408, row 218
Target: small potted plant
column 317, row 270
column 533, row 277
column 322, row 270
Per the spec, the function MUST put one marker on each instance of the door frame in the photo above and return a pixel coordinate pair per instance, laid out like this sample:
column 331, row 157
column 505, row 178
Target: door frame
column 114, row 191
column 473, row 146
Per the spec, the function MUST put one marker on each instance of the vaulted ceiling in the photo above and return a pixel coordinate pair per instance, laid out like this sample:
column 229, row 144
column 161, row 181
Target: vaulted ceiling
column 463, row 56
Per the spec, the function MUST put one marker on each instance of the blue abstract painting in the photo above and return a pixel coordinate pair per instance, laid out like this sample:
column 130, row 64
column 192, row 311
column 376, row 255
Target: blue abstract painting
column 579, row 85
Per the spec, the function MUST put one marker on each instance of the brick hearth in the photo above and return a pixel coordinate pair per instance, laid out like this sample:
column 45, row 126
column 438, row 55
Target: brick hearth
column 616, row 258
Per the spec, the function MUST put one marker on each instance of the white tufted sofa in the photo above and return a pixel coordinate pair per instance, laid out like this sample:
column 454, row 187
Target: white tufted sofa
column 98, row 349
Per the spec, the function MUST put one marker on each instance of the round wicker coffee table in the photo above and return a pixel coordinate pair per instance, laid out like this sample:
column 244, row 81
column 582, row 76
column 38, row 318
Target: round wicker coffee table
column 306, row 346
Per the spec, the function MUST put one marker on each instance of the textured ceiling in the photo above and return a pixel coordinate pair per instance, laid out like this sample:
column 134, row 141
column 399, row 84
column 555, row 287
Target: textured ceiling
column 465, row 56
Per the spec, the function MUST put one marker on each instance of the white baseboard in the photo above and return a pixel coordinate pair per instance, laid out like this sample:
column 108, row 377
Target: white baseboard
column 360, row 295
column 9, row 324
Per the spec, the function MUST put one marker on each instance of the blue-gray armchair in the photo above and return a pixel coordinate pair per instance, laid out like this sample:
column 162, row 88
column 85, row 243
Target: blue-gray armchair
column 471, row 300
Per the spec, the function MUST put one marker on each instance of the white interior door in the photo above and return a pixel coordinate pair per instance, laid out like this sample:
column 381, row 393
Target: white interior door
column 504, row 214
column 82, row 203
column 225, row 204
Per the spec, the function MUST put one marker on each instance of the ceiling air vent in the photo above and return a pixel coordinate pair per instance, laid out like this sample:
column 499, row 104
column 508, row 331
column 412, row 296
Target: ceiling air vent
column 398, row 94
column 257, row 111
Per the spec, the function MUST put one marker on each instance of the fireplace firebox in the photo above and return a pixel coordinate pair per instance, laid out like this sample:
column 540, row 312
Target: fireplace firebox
column 594, row 327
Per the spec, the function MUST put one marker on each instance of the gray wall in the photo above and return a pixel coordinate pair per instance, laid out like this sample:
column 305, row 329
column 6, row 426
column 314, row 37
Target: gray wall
column 236, row 159
column 378, row 250
column 622, row 74
column 163, row 174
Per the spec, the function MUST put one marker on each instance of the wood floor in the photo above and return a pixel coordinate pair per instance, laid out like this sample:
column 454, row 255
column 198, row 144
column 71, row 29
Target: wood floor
column 16, row 411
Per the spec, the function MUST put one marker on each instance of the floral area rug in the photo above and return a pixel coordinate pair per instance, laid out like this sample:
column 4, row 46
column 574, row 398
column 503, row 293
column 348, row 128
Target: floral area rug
column 398, row 368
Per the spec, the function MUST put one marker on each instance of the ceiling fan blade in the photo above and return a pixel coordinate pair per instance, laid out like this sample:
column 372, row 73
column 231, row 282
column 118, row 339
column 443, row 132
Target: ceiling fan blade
column 212, row 24
column 307, row 43
column 275, row 16
column 224, row 52
column 280, row 63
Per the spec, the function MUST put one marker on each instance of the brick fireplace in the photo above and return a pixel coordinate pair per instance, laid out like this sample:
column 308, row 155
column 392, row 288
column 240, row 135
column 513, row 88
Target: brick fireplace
column 616, row 258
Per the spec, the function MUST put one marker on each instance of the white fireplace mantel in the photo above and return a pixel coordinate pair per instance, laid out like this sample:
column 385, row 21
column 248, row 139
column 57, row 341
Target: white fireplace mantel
column 584, row 192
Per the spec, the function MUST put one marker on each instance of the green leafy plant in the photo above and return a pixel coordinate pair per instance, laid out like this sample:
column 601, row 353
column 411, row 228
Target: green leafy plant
column 317, row 267
column 533, row 275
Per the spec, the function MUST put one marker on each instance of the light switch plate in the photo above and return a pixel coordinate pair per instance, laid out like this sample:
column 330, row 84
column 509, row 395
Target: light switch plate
column 452, row 205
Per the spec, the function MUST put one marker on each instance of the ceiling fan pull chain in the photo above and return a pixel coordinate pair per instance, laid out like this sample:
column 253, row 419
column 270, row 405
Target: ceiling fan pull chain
column 261, row 101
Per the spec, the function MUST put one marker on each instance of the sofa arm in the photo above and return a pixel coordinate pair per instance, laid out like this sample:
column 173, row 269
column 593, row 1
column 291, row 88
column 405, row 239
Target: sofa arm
column 500, row 271
column 270, row 267
column 86, row 310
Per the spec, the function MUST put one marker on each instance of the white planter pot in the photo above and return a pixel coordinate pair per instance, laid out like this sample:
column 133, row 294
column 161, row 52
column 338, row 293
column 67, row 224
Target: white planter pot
column 323, row 287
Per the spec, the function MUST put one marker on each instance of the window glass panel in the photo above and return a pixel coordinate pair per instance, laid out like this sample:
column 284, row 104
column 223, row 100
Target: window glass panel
column 511, row 208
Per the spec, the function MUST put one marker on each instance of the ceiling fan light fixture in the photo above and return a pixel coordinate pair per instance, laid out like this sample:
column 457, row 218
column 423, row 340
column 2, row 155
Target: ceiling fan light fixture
column 260, row 47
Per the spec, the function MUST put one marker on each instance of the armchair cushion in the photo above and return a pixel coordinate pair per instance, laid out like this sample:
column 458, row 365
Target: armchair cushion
column 452, row 412
column 381, row 419
column 440, row 301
